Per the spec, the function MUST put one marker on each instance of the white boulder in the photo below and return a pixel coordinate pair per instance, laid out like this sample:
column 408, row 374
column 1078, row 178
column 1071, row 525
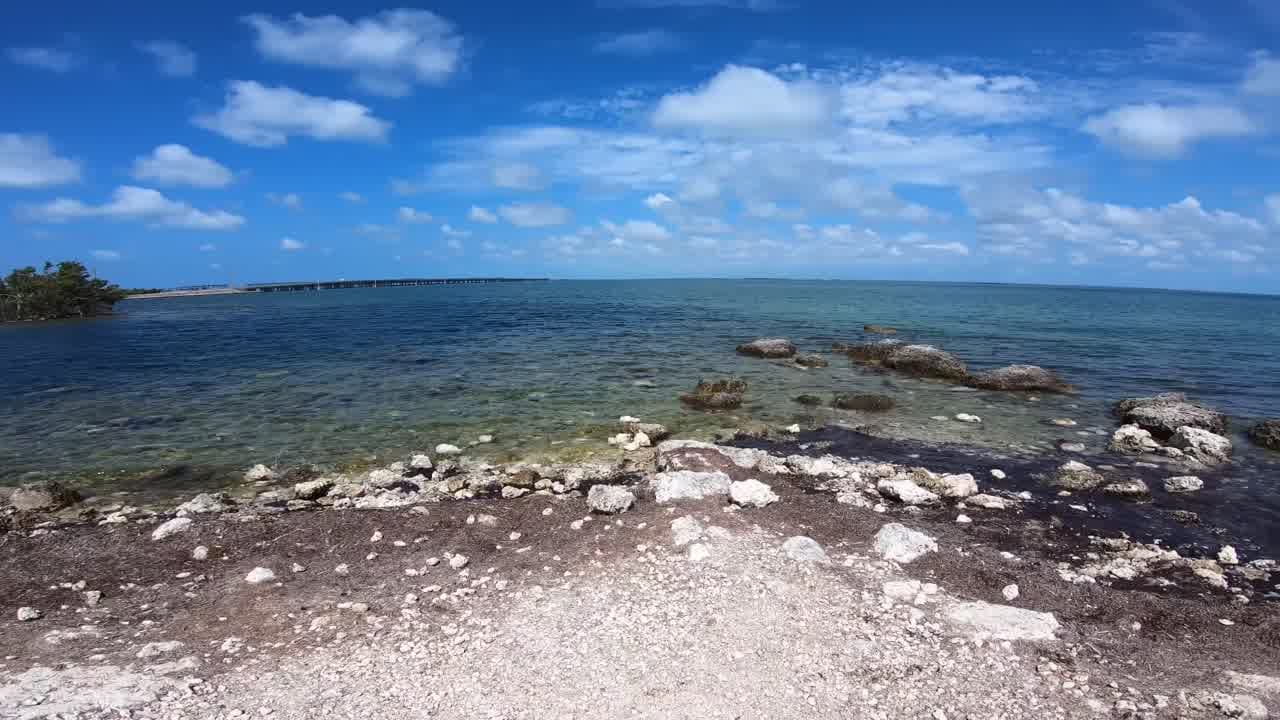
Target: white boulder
column 1132, row 439
column 447, row 449
column 1209, row 448
column 906, row 492
column 610, row 499
column 688, row 485
column 805, row 549
column 1001, row 622
column 901, row 544
column 1183, row 484
column 260, row 575
column 752, row 493
column 171, row 528
column 259, row 473
column 685, row 530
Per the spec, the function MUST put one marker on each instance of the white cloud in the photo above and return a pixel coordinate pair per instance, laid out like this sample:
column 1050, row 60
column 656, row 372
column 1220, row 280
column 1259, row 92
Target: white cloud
column 389, row 52
column 29, row 161
column 897, row 93
column 255, row 114
column 1263, row 77
column 409, row 215
column 657, row 201
column 52, row 59
column 172, row 59
column 750, row 5
column 1272, row 203
column 177, row 165
column 291, row 244
column 293, row 201
column 642, row 231
column 105, row 255
column 1167, row 131
column 454, row 244
column 639, row 44
column 953, row 248
column 129, row 203
column 746, row 100
column 207, row 247
column 375, row 230
column 352, row 197
column 481, row 215
column 534, row 214
column 517, row 176
column 451, row 231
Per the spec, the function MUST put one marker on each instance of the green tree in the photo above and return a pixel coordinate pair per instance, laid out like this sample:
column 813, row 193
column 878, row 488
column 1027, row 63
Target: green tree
column 62, row 291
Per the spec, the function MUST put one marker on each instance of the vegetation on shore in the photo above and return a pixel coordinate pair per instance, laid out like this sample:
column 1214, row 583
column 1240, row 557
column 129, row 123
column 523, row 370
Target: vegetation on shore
column 65, row 290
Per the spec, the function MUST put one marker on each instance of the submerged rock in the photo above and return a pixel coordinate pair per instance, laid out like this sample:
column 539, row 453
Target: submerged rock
column 43, row 497
column 866, row 402
column 1075, row 475
column 716, row 394
column 610, row 499
column 1020, row 377
column 901, row 544
column 768, row 348
column 1207, row 447
column 810, row 400
column 1163, row 414
column 811, row 361
column 1266, row 434
column 1133, row 488
column 1132, row 439
column 875, row 353
column 927, row 361
column 879, row 330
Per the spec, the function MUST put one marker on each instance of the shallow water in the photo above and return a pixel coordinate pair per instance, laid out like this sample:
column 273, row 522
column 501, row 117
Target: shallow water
column 210, row 385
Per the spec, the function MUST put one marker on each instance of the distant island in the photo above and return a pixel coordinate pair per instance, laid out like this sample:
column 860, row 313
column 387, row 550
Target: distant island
column 65, row 290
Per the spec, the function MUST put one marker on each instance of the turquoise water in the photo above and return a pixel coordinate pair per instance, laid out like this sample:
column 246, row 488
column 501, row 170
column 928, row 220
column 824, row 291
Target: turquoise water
column 212, row 385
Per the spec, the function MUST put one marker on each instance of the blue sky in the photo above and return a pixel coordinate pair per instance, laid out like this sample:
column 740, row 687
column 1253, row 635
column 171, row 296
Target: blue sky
column 1131, row 143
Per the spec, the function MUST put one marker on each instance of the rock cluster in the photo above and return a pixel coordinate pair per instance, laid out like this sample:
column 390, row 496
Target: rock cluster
column 1020, row 378
column 1266, row 434
column 716, row 394
column 1163, row 414
column 768, row 348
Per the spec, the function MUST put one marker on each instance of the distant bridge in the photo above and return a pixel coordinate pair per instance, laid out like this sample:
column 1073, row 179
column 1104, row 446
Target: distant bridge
column 395, row 282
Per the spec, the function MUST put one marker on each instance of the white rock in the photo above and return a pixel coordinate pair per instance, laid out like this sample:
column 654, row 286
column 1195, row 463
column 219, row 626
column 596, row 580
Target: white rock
column 1183, row 484
column 457, row 562
column 171, row 528
column 610, row 499
column 901, row 590
column 805, row 549
column 966, row 417
column 1010, row 592
column 698, row 552
column 627, row 419
column 1227, row 556
column 260, row 575
column 998, row 474
column 752, row 493
column 154, row 649
column 1132, row 439
column 1001, row 622
column 963, row 519
column 484, row 439
column 988, row 502
column 259, row 473
column 907, row 492
column 793, row 429
column 200, row 553
column 1203, row 445
column 27, row 614
column 901, row 544
column 447, row 449
column 688, row 485
column 313, row 489
column 421, row 463
column 955, row 487
column 685, row 530
column 639, row 440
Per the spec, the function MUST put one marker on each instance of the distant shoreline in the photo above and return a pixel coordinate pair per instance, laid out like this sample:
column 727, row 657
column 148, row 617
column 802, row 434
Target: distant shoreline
column 186, row 293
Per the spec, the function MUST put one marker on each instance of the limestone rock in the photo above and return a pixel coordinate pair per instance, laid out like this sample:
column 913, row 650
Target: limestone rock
column 27, row 614
column 447, row 449
column 866, row 402
column 610, row 499
column 688, row 485
column 898, row 543
column 421, row 464
column 811, row 361
column 1021, row 378
column 967, row 418
column 259, row 473
column 1266, row 434
column 313, row 489
column 208, row 503
column 805, row 549
column 907, row 492
column 926, row 361
column 1001, row 622
column 716, row 394
column 953, row 487
column 752, row 493
column 43, row 497
column 1183, row 484
column 1207, row 447
column 260, row 575
column 1133, row 440
column 685, row 530
column 768, row 348
column 1131, row 488
column 1075, row 475
column 876, row 353
column 1163, row 414
column 171, row 528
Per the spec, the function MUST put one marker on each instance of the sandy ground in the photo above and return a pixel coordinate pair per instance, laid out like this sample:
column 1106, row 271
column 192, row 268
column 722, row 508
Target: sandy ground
column 557, row 613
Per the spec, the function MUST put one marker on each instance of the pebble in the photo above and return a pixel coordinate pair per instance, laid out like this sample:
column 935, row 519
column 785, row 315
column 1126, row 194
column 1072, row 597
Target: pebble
column 1227, row 556
column 966, row 417
column 260, row 575
column 963, row 519
column 343, row 569
column 1010, row 592
column 998, row 474
column 200, row 553
column 27, row 614
column 457, row 562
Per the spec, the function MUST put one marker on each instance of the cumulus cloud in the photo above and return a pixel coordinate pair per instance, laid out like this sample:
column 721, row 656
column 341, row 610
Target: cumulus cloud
column 293, row 201
column 1165, row 131
column 532, row 215
column 517, row 176
column 44, row 58
column 29, row 161
column 177, row 165
column 897, row 93
column 746, row 100
column 354, row 198
column 639, row 44
column 290, row 244
column 172, row 59
column 453, row 232
column 263, row 116
column 481, row 215
column 105, row 255
column 136, row 204
column 388, row 52
column 657, row 201
column 412, row 216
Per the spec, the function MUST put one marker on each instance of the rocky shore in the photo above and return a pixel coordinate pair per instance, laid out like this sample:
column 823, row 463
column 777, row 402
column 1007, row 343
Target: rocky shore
column 788, row 573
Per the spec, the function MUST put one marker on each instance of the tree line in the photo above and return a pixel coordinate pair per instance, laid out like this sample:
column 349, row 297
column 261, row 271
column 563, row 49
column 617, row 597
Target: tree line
column 65, row 290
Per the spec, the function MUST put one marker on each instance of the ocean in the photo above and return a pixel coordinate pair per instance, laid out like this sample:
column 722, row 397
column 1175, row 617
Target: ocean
column 176, row 394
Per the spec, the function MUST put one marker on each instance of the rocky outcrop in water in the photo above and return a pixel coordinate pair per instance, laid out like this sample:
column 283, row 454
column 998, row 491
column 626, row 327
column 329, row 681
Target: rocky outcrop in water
column 716, row 394
column 918, row 360
column 1209, row 448
column 872, row 353
column 879, row 330
column 811, row 361
column 1163, row 414
column 1131, row 439
column 1075, row 475
column 866, row 402
column 768, row 348
column 1266, row 434
column 1020, row 377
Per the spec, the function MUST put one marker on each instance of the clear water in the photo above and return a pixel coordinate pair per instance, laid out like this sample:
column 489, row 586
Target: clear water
column 215, row 384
